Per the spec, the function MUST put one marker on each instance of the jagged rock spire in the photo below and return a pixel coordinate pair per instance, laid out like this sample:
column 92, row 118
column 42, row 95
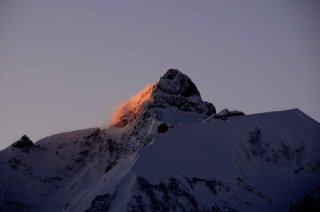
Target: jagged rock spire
column 175, row 82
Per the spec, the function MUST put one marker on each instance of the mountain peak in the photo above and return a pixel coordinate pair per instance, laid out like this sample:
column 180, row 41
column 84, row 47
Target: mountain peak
column 174, row 89
column 175, row 82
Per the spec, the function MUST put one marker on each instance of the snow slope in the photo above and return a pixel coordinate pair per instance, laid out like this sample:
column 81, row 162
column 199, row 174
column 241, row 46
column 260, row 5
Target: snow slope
column 264, row 175
column 172, row 152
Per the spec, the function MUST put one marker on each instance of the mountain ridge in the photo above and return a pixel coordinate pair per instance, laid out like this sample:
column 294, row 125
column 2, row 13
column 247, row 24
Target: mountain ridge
column 171, row 156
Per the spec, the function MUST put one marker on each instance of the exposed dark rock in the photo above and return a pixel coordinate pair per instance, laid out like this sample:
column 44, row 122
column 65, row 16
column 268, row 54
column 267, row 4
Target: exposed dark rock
column 213, row 185
column 225, row 114
column 310, row 202
column 112, row 145
column 279, row 153
column 307, row 168
column 136, row 204
column 23, row 143
column 94, row 134
column 73, row 186
column 174, row 82
column 255, row 137
column 180, row 195
column 51, row 179
column 244, row 186
column 162, row 196
column 100, row 203
column 110, row 166
column 14, row 163
column 162, row 128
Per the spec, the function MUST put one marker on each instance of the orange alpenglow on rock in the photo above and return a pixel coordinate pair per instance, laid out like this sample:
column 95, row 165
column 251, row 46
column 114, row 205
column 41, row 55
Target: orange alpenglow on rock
column 132, row 108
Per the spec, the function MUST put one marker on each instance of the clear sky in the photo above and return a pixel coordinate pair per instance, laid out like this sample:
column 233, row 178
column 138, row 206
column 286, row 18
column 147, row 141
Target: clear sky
column 66, row 64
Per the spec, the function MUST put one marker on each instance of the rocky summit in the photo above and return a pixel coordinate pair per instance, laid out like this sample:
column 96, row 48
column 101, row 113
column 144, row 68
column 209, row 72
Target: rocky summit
column 174, row 89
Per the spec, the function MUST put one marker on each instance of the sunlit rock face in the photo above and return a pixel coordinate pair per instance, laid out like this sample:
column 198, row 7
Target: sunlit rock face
column 174, row 89
column 133, row 108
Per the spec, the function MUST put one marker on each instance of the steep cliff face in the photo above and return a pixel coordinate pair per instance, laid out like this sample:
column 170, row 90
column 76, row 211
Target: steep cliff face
column 168, row 150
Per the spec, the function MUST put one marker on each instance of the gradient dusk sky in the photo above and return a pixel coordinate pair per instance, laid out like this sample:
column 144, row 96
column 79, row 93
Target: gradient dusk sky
column 65, row 65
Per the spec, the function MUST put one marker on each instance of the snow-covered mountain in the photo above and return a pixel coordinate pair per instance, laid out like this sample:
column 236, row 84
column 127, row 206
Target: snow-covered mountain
column 168, row 150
